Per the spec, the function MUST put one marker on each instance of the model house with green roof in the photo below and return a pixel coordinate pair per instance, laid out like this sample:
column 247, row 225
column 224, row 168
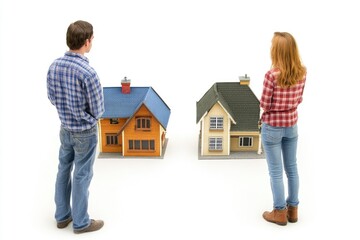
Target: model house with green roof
column 228, row 115
column 134, row 122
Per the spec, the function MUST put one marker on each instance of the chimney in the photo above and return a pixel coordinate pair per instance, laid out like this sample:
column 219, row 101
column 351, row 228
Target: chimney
column 125, row 85
column 244, row 80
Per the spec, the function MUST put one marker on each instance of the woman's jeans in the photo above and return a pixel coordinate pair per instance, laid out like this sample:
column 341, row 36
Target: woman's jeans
column 280, row 144
column 77, row 150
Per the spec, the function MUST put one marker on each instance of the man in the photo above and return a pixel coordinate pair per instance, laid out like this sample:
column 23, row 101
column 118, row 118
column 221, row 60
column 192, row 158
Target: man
column 74, row 88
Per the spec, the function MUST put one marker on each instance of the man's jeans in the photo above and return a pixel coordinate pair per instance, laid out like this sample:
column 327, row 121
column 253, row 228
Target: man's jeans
column 280, row 144
column 77, row 149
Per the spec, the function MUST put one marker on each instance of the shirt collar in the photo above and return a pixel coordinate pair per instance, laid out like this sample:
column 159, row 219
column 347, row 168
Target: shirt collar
column 72, row 54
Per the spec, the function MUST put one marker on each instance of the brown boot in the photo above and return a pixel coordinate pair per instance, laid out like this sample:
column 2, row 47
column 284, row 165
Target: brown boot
column 292, row 214
column 276, row 216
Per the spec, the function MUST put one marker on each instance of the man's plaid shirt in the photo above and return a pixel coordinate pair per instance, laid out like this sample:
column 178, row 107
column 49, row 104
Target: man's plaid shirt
column 73, row 86
column 280, row 104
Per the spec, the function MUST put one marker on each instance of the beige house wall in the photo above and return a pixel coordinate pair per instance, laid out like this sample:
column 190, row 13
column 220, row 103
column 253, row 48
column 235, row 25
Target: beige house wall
column 216, row 111
column 235, row 142
column 162, row 134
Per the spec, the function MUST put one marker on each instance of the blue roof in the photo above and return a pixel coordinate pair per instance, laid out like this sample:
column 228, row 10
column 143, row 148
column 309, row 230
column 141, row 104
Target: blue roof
column 120, row 105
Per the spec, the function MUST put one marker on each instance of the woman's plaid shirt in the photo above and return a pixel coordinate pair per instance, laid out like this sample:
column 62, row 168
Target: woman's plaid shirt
column 280, row 104
column 73, row 86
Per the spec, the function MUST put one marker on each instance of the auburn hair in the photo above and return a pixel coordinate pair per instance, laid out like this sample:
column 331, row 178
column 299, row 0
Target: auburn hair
column 285, row 57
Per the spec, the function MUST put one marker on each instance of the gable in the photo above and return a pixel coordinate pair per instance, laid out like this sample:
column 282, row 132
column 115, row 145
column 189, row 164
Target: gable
column 217, row 110
column 141, row 112
column 211, row 97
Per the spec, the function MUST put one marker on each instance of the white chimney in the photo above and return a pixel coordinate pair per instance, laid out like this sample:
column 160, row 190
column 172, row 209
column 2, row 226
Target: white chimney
column 244, row 80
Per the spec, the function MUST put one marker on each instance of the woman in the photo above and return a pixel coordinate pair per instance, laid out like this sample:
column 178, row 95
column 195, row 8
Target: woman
column 282, row 93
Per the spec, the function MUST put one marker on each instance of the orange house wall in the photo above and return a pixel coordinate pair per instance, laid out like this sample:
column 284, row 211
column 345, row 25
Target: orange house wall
column 107, row 128
column 130, row 133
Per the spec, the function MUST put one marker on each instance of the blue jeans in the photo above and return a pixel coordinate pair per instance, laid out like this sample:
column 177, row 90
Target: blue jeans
column 280, row 144
column 77, row 150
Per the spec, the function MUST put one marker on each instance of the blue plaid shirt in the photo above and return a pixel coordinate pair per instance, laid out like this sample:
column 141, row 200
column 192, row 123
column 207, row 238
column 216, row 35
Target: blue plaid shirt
column 73, row 86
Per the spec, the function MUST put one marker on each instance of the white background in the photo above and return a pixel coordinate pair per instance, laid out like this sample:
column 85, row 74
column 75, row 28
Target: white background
column 181, row 48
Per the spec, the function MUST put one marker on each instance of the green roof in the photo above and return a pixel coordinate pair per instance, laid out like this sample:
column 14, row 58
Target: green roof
column 238, row 100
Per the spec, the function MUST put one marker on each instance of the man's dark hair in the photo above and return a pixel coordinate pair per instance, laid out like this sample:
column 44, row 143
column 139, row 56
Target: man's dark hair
column 77, row 34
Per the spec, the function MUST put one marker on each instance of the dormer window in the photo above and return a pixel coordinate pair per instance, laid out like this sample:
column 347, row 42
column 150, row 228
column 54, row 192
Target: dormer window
column 216, row 123
column 143, row 123
column 114, row 121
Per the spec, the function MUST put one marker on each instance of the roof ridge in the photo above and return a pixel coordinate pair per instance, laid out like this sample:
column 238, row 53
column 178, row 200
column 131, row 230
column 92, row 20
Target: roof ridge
column 146, row 95
column 216, row 91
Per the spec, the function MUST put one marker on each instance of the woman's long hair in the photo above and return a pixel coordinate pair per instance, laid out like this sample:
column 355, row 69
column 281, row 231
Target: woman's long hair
column 285, row 57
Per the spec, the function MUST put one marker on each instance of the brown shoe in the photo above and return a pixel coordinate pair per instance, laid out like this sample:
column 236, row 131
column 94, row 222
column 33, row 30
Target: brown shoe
column 276, row 216
column 292, row 214
column 94, row 226
column 64, row 224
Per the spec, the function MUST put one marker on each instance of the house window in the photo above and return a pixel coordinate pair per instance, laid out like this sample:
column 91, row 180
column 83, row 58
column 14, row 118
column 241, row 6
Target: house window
column 245, row 141
column 111, row 139
column 134, row 144
column 143, row 123
column 137, row 144
column 145, row 144
column 114, row 121
column 142, row 145
column 215, row 143
column 216, row 123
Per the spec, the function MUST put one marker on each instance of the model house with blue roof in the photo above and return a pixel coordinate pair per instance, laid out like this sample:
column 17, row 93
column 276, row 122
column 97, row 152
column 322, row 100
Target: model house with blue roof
column 228, row 115
column 134, row 122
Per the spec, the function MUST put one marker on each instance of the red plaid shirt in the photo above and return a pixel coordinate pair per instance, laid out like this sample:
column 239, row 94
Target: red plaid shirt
column 280, row 104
